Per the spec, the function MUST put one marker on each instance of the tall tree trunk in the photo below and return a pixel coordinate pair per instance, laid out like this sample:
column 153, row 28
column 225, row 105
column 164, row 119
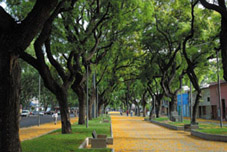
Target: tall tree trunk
column 144, row 109
column 195, row 107
column 151, row 112
column 172, row 106
column 90, row 110
column 91, row 103
column 9, row 101
column 80, row 91
column 157, row 108
column 65, row 117
column 100, row 108
column 16, row 38
column 138, row 107
column 223, row 41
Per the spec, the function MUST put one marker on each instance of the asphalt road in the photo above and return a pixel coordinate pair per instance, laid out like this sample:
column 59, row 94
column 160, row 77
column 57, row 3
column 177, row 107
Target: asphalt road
column 33, row 120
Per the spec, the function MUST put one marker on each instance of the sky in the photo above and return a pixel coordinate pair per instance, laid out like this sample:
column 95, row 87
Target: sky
column 3, row 4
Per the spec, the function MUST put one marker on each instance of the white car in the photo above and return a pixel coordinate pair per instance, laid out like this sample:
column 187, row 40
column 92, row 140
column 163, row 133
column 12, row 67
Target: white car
column 25, row 113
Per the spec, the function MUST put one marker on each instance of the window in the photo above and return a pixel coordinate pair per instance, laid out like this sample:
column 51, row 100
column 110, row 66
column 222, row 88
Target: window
column 208, row 99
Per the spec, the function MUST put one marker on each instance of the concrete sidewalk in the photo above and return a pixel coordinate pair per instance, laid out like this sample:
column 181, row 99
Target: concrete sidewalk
column 37, row 131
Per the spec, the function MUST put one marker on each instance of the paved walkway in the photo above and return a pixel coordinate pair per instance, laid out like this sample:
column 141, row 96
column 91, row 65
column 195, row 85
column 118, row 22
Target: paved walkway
column 132, row 134
column 36, row 131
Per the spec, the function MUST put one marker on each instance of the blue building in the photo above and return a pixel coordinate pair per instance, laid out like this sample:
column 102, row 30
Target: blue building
column 186, row 108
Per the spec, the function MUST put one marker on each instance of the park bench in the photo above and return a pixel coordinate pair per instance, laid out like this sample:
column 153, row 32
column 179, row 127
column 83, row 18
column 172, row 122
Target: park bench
column 99, row 141
column 106, row 120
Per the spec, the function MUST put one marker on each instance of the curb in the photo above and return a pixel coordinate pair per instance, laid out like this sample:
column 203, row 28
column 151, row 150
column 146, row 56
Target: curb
column 211, row 137
column 168, row 125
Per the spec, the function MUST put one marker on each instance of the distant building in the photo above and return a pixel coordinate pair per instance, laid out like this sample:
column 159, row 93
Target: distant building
column 165, row 107
column 215, row 114
column 204, row 110
column 186, row 108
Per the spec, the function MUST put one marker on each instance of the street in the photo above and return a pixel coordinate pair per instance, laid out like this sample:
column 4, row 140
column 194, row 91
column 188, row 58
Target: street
column 33, row 120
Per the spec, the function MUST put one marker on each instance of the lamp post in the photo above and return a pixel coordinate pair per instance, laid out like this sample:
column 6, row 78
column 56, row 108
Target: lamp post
column 97, row 102
column 39, row 100
column 182, row 117
column 87, row 98
column 94, row 104
column 191, row 99
column 219, row 90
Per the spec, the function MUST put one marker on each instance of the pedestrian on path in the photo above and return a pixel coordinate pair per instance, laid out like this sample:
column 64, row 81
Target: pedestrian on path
column 121, row 112
column 131, row 112
column 55, row 116
column 127, row 112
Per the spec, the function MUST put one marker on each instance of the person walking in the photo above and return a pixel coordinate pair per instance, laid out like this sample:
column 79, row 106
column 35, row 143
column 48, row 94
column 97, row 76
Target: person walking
column 55, row 116
column 127, row 112
column 131, row 112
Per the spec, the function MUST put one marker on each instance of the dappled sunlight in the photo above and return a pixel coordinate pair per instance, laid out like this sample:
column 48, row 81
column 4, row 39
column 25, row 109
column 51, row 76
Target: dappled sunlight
column 134, row 134
column 36, row 131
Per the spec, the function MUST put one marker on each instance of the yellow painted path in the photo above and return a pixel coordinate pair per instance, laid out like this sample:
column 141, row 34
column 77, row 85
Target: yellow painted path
column 36, row 131
column 132, row 134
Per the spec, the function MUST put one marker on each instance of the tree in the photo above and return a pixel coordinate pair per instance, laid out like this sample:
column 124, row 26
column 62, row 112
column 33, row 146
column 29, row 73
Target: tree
column 59, row 87
column 220, row 7
column 15, row 38
column 198, row 54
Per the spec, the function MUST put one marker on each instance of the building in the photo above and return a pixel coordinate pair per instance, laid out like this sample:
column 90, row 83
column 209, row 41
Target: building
column 215, row 112
column 186, row 108
column 204, row 110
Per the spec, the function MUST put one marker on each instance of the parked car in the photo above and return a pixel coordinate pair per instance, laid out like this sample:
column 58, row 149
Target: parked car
column 41, row 113
column 25, row 113
column 49, row 112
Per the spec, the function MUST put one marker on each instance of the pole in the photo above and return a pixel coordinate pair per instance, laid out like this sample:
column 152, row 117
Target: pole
column 97, row 102
column 191, row 99
column 87, row 100
column 39, row 100
column 155, row 107
column 219, row 91
column 182, row 117
column 94, row 104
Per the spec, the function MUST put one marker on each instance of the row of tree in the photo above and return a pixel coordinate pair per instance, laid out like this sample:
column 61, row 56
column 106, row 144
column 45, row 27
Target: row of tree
column 136, row 48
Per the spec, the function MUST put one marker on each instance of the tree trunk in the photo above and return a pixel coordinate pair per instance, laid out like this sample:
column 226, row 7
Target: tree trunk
column 80, row 91
column 100, row 109
column 198, row 96
column 157, row 108
column 65, row 117
column 91, row 103
column 223, row 42
column 144, row 110
column 151, row 113
column 137, row 105
column 172, row 106
column 9, row 101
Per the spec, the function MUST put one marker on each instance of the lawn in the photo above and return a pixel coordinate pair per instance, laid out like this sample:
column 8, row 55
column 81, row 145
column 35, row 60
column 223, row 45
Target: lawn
column 57, row 142
column 203, row 127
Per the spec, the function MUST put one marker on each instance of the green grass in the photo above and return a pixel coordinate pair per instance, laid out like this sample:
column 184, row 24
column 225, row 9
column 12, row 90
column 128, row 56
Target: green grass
column 57, row 142
column 179, row 123
column 160, row 119
column 203, row 127
column 218, row 131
